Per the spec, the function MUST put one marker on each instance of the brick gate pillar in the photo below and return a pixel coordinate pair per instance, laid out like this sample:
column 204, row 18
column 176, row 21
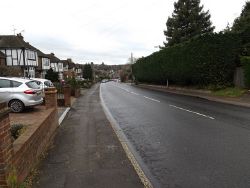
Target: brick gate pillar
column 50, row 97
column 67, row 95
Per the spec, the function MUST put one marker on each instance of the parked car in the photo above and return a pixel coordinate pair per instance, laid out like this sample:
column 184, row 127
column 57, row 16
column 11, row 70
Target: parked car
column 20, row 93
column 43, row 83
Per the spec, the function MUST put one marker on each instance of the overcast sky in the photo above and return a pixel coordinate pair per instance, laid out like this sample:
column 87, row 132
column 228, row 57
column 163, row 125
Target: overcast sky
column 100, row 30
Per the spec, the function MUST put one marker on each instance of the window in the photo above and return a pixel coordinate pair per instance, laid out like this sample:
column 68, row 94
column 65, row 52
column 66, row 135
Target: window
column 33, row 85
column 45, row 61
column 16, row 84
column 5, row 83
column 31, row 55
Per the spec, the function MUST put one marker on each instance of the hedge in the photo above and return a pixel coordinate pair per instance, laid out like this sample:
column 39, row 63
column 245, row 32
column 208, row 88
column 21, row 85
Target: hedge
column 245, row 61
column 205, row 60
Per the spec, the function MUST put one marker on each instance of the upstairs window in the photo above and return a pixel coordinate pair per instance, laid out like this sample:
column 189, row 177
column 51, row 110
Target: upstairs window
column 31, row 55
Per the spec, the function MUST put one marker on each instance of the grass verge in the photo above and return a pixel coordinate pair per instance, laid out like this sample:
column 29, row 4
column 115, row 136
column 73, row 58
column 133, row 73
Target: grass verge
column 229, row 92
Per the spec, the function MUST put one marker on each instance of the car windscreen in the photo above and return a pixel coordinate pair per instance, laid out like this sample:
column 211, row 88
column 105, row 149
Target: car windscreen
column 33, row 85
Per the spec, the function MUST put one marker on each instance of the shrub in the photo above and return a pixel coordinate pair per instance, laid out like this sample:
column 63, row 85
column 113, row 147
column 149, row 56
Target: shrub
column 16, row 130
column 245, row 61
column 202, row 61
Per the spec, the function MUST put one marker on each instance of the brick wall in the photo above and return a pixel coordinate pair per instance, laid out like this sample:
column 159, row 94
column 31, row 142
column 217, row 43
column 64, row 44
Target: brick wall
column 6, row 148
column 30, row 145
column 24, row 153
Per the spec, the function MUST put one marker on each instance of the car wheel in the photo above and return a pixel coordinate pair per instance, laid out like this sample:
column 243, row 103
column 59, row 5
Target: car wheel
column 16, row 106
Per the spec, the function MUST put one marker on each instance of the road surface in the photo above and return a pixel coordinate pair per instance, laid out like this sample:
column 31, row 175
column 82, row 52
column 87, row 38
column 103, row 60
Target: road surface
column 181, row 141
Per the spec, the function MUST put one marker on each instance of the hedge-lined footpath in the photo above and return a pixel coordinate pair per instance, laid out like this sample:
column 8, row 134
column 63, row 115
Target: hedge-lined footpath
column 206, row 60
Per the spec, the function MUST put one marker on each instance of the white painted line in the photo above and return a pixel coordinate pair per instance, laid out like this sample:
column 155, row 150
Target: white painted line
column 192, row 112
column 134, row 93
column 63, row 115
column 151, row 99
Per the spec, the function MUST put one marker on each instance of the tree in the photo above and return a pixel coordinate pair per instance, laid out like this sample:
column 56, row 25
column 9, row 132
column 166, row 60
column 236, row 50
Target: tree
column 188, row 20
column 87, row 72
column 242, row 23
column 241, row 26
column 51, row 75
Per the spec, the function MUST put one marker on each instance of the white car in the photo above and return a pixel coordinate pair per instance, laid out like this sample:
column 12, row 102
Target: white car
column 19, row 93
column 43, row 83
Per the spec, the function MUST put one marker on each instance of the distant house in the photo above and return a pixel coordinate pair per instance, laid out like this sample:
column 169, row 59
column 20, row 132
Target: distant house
column 78, row 70
column 19, row 54
column 69, row 68
column 56, row 64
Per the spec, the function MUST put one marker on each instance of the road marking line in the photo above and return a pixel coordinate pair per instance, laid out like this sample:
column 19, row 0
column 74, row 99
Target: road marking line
column 63, row 116
column 192, row 112
column 151, row 99
column 134, row 93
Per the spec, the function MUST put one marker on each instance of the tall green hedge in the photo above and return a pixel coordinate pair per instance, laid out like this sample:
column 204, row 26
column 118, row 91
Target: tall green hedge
column 245, row 61
column 209, row 59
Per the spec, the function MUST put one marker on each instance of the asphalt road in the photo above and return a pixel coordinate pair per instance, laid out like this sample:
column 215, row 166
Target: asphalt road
column 181, row 141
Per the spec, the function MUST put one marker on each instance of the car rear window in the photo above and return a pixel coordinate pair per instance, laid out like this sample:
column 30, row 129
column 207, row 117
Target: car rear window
column 38, row 83
column 48, row 83
column 33, row 85
column 16, row 84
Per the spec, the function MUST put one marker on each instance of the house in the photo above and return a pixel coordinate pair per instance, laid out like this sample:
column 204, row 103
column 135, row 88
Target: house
column 56, row 64
column 43, row 64
column 19, row 54
column 78, row 70
column 69, row 68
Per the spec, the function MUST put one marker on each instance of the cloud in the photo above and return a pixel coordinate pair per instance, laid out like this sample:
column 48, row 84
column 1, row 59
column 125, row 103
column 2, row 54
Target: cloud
column 100, row 31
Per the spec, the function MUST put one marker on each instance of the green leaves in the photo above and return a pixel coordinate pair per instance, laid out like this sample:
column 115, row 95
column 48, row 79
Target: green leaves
column 205, row 60
column 188, row 20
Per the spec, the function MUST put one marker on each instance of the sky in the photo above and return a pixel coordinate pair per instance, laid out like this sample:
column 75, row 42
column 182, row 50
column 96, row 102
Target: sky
column 101, row 30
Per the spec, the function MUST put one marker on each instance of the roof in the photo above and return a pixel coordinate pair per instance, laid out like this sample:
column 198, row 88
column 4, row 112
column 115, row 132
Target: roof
column 53, row 58
column 68, row 62
column 65, row 62
column 2, row 55
column 14, row 41
column 41, row 54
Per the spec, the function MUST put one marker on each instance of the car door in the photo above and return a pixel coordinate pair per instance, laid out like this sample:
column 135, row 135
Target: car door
column 5, row 90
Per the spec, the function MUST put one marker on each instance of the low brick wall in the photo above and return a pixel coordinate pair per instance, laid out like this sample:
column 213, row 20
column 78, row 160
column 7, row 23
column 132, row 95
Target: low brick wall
column 20, row 156
column 6, row 147
column 33, row 142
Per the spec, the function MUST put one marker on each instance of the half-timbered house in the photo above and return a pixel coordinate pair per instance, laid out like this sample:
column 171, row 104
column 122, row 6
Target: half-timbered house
column 19, row 54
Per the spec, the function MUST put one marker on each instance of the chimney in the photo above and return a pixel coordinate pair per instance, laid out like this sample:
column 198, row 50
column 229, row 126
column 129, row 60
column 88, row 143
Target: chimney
column 19, row 35
column 52, row 53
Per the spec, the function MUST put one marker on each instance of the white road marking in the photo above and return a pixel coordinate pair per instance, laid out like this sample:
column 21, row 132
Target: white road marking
column 151, row 99
column 134, row 93
column 131, row 92
column 192, row 112
column 63, row 116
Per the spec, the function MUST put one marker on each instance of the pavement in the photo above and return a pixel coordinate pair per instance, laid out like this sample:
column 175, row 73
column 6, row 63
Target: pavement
column 244, row 100
column 86, row 151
